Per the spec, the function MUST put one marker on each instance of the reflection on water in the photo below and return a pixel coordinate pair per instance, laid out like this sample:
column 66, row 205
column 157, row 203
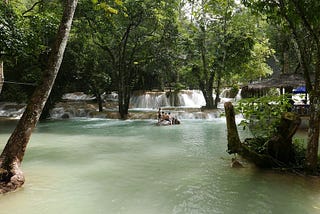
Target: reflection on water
column 135, row 167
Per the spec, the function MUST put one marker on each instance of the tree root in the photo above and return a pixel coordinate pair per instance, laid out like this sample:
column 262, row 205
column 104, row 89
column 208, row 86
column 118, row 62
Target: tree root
column 11, row 180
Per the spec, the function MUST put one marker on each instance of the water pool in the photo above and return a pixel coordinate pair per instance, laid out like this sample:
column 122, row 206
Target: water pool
column 134, row 167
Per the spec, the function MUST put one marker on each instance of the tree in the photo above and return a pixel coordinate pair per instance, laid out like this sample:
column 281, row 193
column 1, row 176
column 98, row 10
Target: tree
column 85, row 64
column 301, row 19
column 25, row 41
column 1, row 76
column 130, row 37
column 11, row 176
column 221, row 44
column 11, row 36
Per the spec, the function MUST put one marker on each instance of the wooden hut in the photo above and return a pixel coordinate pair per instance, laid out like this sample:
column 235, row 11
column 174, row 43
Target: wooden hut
column 285, row 82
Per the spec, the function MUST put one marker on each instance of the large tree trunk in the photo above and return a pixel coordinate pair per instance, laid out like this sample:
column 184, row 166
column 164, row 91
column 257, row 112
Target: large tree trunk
column 217, row 99
column 206, row 86
column 208, row 96
column 280, row 145
column 311, row 164
column 1, row 76
column 99, row 101
column 11, row 176
column 123, row 103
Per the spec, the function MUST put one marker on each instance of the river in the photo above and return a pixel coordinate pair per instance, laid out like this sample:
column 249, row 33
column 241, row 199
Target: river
column 134, row 167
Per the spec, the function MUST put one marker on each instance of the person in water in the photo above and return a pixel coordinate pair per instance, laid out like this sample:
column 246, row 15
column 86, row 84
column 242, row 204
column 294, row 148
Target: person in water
column 159, row 115
column 163, row 116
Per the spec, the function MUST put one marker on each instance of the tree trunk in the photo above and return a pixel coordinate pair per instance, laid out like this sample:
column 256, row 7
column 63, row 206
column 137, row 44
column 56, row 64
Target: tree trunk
column 1, row 76
column 236, row 147
column 280, row 145
column 11, row 176
column 99, row 101
column 313, row 137
column 123, row 103
column 279, row 148
column 217, row 99
column 206, row 87
column 208, row 96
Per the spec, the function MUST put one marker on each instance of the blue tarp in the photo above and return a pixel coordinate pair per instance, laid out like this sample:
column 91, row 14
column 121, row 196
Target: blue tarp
column 300, row 90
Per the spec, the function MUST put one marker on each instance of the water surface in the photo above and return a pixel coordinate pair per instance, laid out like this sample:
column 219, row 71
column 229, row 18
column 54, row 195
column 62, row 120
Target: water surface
column 134, row 167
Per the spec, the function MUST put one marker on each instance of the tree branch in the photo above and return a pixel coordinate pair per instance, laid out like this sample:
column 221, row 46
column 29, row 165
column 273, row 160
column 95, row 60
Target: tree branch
column 33, row 6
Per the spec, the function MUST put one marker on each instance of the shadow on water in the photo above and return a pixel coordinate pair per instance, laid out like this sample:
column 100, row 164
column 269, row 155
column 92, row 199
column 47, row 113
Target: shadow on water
column 113, row 166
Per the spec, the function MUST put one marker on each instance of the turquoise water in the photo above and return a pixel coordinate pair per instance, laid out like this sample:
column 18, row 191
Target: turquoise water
column 135, row 167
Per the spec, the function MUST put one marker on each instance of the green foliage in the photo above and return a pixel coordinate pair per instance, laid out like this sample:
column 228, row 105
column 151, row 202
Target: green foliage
column 139, row 42
column 257, row 144
column 224, row 42
column 299, row 147
column 234, row 91
column 178, row 86
column 109, row 8
column 262, row 115
column 26, row 37
column 12, row 37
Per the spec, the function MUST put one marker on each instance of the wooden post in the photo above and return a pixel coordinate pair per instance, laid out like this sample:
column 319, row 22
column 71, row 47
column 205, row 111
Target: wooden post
column 1, row 75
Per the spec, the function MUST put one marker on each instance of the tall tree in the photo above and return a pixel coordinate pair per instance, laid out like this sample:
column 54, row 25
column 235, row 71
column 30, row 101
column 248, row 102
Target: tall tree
column 301, row 18
column 11, row 175
column 1, row 76
column 220, row 43
column 130, row 39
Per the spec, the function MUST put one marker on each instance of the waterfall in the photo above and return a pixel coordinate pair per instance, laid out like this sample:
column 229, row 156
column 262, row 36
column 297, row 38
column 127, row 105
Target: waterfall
column 185, row 104
column 77, row 96
column 11, row 110
column 150, row 100
column 154, row 100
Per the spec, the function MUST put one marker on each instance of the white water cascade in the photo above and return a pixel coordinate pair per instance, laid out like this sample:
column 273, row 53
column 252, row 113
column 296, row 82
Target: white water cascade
column 186, row 104
column 154, row 100
column 12, row 110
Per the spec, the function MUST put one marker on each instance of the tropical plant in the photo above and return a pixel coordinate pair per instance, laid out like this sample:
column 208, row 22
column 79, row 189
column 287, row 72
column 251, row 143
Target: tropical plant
column 262, row 115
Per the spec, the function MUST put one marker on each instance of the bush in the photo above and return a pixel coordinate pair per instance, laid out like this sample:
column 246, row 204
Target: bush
column 262, row 115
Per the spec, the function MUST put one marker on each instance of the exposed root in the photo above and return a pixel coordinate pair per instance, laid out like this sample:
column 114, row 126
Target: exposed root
column 11, row 180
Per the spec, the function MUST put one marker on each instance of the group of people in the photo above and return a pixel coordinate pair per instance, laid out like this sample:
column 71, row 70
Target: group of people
column 166, row 118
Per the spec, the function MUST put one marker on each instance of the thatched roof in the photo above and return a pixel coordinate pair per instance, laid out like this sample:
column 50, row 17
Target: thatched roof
column 279, row 81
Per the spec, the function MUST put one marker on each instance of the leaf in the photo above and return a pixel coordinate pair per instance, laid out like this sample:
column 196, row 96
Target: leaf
column 118, row 2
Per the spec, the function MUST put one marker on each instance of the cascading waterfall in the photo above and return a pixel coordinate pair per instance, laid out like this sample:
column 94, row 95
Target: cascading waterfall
column 186, row 104
column 12, row 110
column 150, row 100
column 154, row 100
